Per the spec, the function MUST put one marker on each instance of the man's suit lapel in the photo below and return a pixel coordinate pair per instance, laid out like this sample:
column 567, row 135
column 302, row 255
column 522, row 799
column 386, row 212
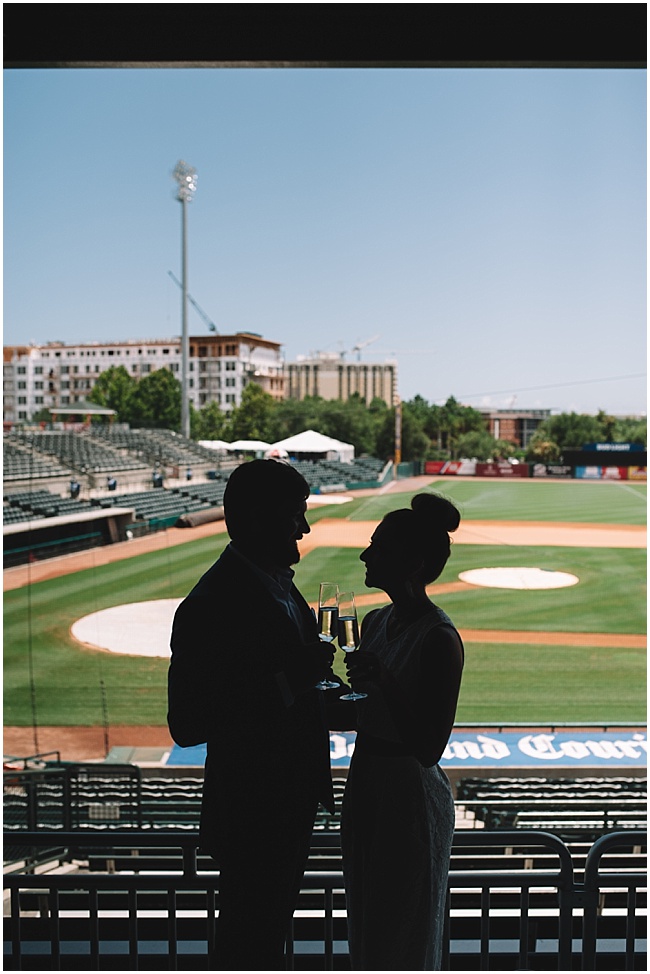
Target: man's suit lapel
column 309, row 621
column 260, row 602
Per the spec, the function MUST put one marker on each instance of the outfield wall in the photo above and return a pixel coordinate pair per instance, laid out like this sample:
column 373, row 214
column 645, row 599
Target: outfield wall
column 504, row 470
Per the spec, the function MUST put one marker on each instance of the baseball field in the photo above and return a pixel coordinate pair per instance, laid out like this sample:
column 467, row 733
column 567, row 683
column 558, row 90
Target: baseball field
column 547, row 655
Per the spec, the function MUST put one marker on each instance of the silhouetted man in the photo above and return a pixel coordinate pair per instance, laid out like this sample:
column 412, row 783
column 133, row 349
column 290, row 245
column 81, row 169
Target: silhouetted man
column 245, row 660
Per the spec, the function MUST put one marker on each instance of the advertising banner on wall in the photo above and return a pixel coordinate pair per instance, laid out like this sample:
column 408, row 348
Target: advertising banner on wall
column 615, row 447
column 525, row 750
column 501, row 468
column 516, row 749
column 637, row 473
column 460, row 468
column 552, row 470
column 602, row 473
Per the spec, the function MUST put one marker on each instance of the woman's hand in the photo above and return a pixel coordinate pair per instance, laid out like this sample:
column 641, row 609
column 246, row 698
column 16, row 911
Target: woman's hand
column 364, row 667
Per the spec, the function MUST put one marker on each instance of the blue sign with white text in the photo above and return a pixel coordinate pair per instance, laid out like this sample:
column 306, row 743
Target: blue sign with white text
column 509, row 750
column 524, row 750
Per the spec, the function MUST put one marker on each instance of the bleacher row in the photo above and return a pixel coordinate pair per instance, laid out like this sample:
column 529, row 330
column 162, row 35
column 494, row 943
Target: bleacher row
column 102, row 871
column 110, row 897
column 115, row 796
column 329, row 473
column 148, row 504
column 107, row 449
column 564, row 806
column 110, row 451
column 92, row 798
column 99, row 449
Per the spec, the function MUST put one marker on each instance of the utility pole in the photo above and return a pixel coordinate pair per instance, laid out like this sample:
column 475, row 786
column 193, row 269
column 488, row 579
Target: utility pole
column 185, row 176
column 398, row 437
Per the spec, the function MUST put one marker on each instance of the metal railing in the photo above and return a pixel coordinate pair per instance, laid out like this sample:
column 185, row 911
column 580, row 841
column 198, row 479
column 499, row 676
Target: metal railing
column 497, row 919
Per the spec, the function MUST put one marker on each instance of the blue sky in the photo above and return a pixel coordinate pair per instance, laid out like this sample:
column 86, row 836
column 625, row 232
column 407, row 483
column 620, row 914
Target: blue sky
column 489, row 225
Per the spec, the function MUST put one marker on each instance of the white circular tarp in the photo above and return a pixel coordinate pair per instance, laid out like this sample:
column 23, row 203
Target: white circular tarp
column 522, row 578
column 134, row 629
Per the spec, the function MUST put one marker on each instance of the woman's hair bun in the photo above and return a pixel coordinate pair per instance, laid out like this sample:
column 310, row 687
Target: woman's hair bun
column 436, row 511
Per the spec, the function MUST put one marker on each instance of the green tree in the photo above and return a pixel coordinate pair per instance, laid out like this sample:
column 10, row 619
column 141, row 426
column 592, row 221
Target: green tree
column 607, row 426
column 630, row 430
column 349, row 421
column 415, row 442
column 477, row 445
column 292, row 416
column 252, row 420
column 114, row 389
column 156, row 401
column 208, row 423
column 572, row 430
column 542, row 448
column 452, row 421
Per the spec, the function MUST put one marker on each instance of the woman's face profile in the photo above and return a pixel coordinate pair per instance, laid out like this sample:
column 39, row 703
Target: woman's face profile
column 383, row 558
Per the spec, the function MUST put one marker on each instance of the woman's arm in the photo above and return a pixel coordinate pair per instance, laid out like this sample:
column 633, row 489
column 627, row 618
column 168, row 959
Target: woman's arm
column 425, row 727
column 441, row 670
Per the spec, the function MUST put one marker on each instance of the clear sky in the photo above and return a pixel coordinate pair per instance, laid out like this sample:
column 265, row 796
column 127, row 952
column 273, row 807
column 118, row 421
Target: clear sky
column 488, row 224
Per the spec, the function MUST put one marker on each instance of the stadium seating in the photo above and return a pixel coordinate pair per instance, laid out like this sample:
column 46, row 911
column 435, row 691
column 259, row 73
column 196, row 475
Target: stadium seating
column 103, row 449
column 76, row 451
column 565, row 806
column 30, row 505
column 156, row 445
column 22, row 461
column 117, row 901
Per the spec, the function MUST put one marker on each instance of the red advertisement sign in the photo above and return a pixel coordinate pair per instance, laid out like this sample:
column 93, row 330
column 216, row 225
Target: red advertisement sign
column 614, row 473
column 451, row 467
column 501, row 468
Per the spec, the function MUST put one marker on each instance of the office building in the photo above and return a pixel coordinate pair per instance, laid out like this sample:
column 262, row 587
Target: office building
column 58, row 374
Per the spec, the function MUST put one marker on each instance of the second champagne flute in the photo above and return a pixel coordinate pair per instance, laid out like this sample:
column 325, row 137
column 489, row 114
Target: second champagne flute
column 328, row 611
column 349, row 634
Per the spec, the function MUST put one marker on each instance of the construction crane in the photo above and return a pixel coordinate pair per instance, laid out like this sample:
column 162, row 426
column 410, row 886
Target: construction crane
column 211, row 325
column 359, row 345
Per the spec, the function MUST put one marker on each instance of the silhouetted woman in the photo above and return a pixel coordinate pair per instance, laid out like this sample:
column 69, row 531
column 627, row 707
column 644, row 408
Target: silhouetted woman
column 398, row 811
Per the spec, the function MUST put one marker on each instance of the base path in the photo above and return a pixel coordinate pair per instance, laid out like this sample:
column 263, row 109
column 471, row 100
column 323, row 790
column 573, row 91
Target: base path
column 335, row 533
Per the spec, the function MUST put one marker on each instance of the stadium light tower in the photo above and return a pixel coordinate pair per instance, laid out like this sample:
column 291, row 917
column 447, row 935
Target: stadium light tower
column 185, row 176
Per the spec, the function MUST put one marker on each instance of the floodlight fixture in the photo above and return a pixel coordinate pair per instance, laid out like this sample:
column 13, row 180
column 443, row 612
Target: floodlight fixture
column 185, row 176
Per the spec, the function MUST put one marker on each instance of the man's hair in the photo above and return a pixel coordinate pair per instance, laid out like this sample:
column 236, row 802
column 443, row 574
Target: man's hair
column 265, row 486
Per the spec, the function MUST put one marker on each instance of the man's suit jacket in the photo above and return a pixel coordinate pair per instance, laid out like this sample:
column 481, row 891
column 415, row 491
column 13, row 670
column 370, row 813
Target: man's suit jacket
column 234, row 653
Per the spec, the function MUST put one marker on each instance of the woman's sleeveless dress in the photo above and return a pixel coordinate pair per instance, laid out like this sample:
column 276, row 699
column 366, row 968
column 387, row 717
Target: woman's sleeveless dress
column 397, row 823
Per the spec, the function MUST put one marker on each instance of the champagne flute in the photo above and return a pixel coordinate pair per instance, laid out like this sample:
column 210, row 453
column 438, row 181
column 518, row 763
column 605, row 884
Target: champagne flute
column 328, row 610
column 349, row 634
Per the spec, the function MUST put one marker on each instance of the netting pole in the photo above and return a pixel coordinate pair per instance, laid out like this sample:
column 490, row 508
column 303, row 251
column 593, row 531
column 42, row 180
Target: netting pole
column 105, row 723
column 30, row 653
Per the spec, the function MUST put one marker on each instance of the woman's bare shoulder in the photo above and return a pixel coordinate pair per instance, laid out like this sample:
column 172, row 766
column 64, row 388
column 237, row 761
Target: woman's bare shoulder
column 444, row 639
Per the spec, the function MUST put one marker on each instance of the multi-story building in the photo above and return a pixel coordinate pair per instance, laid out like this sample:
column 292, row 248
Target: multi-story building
column 221, row 366
column 40, row 377
column 514, row 425
column 331, row 377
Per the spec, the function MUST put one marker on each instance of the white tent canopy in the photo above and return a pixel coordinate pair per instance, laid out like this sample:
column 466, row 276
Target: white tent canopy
column 309, row 441
column 249, row 446
column 220, row 445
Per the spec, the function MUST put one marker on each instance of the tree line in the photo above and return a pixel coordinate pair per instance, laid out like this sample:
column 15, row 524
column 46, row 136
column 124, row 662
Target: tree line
column 429, row 431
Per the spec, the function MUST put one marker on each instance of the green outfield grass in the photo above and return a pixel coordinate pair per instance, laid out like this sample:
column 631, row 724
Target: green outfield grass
column 500, row 683
column 527, row 500
column 552, row 684
column 609, row 597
